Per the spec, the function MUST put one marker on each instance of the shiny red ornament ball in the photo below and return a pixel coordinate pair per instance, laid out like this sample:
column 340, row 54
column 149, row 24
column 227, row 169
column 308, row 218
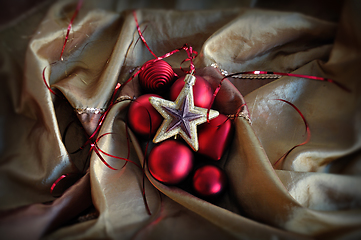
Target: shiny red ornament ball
column 143, row 118
column 209, row 181
column 214, row 137
column 170, row 162
column 157, row 76
column 202, row 91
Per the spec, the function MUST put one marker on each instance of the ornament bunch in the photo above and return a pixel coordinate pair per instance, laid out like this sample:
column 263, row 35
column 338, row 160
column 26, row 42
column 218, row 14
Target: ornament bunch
column 173, row 114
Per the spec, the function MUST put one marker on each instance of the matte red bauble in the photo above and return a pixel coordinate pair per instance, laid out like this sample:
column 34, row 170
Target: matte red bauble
column 202, row 91
column 214, row 137
column 143, row 118
column 157, row 76
column 209, row 181
column 170, row 162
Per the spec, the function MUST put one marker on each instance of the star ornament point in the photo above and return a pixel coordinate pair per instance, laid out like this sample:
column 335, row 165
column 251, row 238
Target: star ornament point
column 181, row 117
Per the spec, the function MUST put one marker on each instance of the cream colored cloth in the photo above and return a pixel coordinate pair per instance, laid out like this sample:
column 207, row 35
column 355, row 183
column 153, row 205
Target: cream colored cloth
column 313, row 193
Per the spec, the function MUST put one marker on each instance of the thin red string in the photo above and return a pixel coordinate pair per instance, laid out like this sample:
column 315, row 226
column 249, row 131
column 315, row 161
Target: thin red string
column 274, row 73
column 214, row 97
column 96, row 150
column 307, row 131
column 185, row 47
column 189, row 50
column 95, row 147
column 90, row 139
column 239, row 110
column 101, row 120
column 190, row 58
column 294, row 75
column 231, row 117
column 66, row 130
column 80, row 3
column 141, row 35
column 144, row 162
column 143, row 180
column 113, row 156
column 47, row 85
column 128, row 142
column 94, row 143
column 136, row 42
column 56, row 182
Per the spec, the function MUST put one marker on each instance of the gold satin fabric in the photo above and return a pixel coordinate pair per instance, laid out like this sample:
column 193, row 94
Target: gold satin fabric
column 313, row 193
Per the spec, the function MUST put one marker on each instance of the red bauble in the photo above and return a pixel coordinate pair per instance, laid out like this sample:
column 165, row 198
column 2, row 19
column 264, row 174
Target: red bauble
column 209, row 181
column 170, row 162
column 202, row 91
column 143, row 118
column 214, row 137
column 157, row 76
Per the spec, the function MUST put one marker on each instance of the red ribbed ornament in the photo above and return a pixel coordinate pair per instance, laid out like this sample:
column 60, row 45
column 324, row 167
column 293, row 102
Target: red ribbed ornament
column 170, row 162
column 202, row 91
column 143, row 118
column 157, row 76
column 209, row 181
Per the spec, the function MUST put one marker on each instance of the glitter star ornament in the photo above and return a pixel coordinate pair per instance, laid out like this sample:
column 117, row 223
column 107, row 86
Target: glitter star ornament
column 181, row 117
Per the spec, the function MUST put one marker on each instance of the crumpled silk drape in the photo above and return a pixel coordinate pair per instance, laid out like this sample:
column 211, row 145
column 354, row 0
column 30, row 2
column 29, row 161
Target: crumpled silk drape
column 313, row 193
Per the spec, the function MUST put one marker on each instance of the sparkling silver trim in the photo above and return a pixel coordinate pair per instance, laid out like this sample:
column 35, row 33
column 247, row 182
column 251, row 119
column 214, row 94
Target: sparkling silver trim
column 247, row 76
column 90, row 110
column 123, row 98
column 241, row 115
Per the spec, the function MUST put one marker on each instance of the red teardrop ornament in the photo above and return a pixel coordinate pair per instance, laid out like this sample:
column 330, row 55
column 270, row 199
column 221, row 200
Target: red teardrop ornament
column 209, row 181
column 214, row 137
column 170, row 162
column 156, row 77
column 202, row 91
column 143, row 118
